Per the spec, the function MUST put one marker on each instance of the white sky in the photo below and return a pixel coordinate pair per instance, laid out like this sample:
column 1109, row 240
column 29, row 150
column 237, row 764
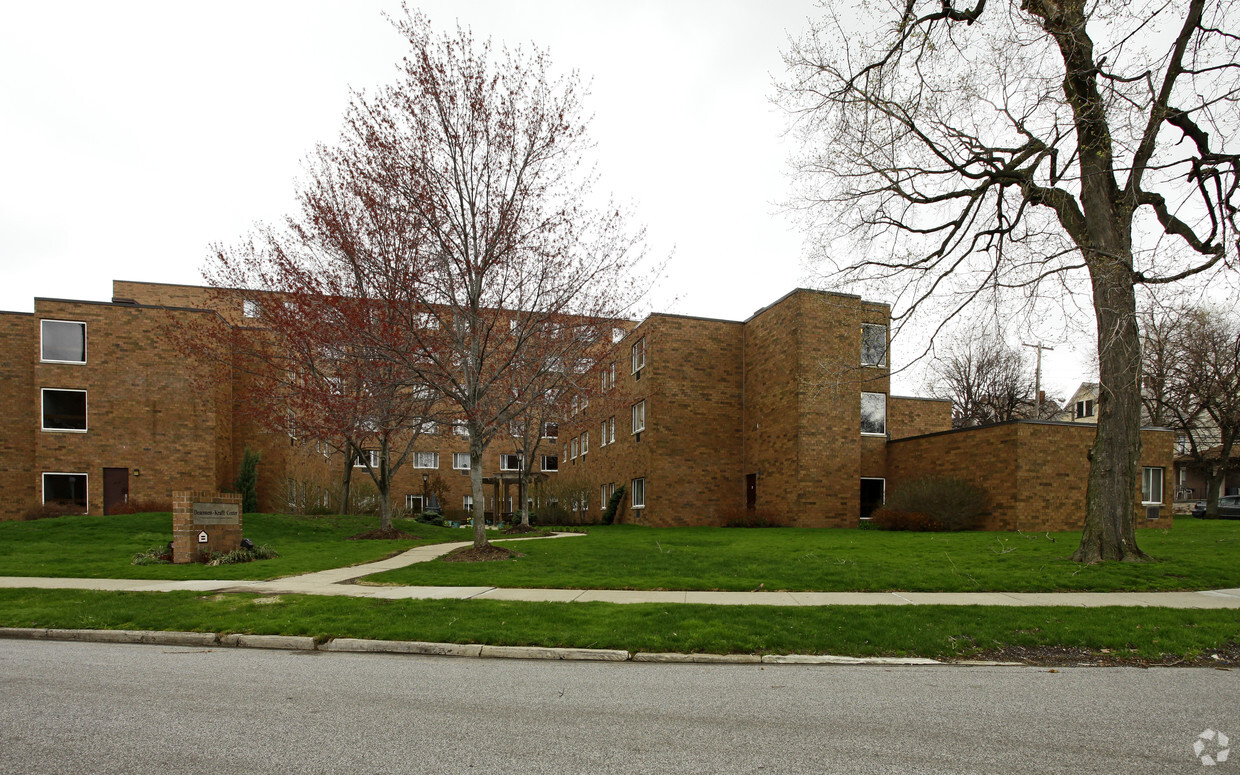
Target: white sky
column 137, row 134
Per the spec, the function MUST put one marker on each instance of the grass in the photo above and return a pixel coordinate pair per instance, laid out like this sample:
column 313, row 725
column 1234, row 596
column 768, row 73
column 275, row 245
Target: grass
column 102, row 547
column 928, row 631
column 1194, row 554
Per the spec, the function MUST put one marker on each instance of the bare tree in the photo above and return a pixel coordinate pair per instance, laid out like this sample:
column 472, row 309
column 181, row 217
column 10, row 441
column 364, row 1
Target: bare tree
column 987, row 381
column 1005, row 145
column 1191, row 375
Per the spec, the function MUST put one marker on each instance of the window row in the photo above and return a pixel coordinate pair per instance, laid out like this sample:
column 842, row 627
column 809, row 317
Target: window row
column 460, row 461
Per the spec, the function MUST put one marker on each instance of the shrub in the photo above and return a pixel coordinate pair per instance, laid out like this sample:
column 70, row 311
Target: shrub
column 932, row 503
column 430, row 518
column 242, row 554
column 750, row 518
column 247, row 481
column 613, row 505
column 156, row 555
column 50, row 510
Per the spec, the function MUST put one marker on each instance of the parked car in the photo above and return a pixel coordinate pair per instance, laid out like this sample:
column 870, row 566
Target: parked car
column 1228, row 508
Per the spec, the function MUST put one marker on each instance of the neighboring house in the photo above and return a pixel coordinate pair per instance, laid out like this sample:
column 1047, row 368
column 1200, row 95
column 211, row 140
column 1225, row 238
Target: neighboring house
column 787, row 415
column 1082, row 407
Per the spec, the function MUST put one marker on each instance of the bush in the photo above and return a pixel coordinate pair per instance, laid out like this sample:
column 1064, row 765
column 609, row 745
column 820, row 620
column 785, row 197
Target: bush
column 613, row 505
column 751, row 518
column 932, row 503
column 156, row 555
column 247, row 481
column 242, row 554
column 430, row 518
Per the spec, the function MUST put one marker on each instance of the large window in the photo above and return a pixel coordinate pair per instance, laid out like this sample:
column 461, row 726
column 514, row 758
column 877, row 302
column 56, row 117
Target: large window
column 510, row 462
column 638, row 354
column 874, row 414
column 639, row 493
column 62, row 341
column 426, row 460
column 639, row 416
column 550, row 463
column 1152, row 484
column 460, row 461
column 66, row 491
column 64, row 410
column 873, row 345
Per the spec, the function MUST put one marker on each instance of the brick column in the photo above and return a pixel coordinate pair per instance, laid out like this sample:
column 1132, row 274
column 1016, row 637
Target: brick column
column 223, row 531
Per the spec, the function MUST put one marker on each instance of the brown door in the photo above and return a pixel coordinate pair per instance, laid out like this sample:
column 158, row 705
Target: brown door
column 751, row 491
column 115, row 489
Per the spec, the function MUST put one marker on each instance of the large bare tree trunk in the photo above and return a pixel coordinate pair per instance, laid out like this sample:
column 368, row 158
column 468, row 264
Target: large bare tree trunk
column 1110, row 525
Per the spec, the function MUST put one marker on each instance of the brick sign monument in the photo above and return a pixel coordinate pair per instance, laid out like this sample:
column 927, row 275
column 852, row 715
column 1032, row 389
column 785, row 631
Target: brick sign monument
column 204, row 522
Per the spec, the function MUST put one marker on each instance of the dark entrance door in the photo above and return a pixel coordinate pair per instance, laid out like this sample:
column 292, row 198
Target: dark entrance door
column 115, row 488
column 872, row 496
column 751, row 491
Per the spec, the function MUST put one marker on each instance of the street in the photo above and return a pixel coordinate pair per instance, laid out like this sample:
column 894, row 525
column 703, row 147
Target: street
column 99, row 708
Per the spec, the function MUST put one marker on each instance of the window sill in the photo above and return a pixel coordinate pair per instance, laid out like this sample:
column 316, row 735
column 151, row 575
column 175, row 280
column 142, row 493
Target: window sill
column 65, row 430
column 874, row 435
column 70, row 363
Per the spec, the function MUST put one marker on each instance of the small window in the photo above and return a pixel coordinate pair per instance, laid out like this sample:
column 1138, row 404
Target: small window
column 574, row 405
column 638, row 354
column 585, row 443
column 413, row 504
column 874, row 414
column 550, row 430
column 639, row 416
column 639, row 493
column 460, row 461
column 510, row 462
column 1085, row 408
column 426, row 320
column 616, row 335
column 68, row 491
column 550, row 463
column 603, row 435
column 64, row 410
column 575, row 445
column 603, row 496
column 460, row 429
column 467, row 503
column 250, row 308
column 426, row 460
column 371, row 456
column 428, row 427
column 62, row 341
column 1151, row 485
column 611, row 430
column 873, row 345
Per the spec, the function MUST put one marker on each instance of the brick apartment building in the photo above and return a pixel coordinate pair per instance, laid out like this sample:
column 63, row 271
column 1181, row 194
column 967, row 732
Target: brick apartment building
column 787, row 414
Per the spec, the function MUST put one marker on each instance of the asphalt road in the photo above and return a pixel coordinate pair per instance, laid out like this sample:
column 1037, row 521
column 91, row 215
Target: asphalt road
column 100, row 708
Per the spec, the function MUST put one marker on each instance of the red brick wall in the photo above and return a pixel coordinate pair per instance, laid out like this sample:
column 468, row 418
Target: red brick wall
column 18, row 420
column 1035, row 473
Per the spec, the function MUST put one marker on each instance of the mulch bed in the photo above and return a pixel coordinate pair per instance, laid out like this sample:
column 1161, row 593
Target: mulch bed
column 488, row 553
column 388, row 534
column 1224, row 657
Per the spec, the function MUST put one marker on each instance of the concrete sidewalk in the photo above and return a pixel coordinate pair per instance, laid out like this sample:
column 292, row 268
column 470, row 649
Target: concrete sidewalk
column 340, row 581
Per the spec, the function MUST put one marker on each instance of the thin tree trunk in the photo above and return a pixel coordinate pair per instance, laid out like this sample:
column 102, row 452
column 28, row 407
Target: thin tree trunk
column 385, row 487
column 475, row 487
column 346, row 480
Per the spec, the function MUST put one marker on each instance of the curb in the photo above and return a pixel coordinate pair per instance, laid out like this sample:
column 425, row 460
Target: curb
column 423, row 648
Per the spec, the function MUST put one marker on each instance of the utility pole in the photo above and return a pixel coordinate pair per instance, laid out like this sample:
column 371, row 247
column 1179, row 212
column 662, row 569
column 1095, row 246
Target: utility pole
column 1037, row 379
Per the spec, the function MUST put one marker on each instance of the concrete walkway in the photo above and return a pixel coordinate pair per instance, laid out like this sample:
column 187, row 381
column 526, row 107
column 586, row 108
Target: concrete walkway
column 341, row 581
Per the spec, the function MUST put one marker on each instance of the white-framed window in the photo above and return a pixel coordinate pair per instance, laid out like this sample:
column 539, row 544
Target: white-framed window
column 639, row 416
column 413, row 504
column 372, row 456
column 616, row 335
column 603, row 497
column 607, row 376
column 467, row 504
column 62, row 341
column 426, row 460
column 460, row 461
column 428, row 427
column 1152, row 485
column 573, row 405
column 510, row 462
column 459, row 428
column 873, row 345
column 611, row 430
column 551, row 430
column 575, row 445
column 585, row 442
column 638, row 354
column 638, row 493
column 585, row 401
column 67, row 489
column 1085, row 408
column 602, row 436
column 566, row 457
column 550, row 463
column 64, row 410
column 250, row 308
column 873, row 414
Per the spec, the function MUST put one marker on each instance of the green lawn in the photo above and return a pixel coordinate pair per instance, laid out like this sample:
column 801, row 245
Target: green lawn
column 1195, row 554
column 928, row 631
column 102, row 547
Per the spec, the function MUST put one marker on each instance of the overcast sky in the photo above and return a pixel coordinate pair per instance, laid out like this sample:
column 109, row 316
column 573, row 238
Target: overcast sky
column 137, row 134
